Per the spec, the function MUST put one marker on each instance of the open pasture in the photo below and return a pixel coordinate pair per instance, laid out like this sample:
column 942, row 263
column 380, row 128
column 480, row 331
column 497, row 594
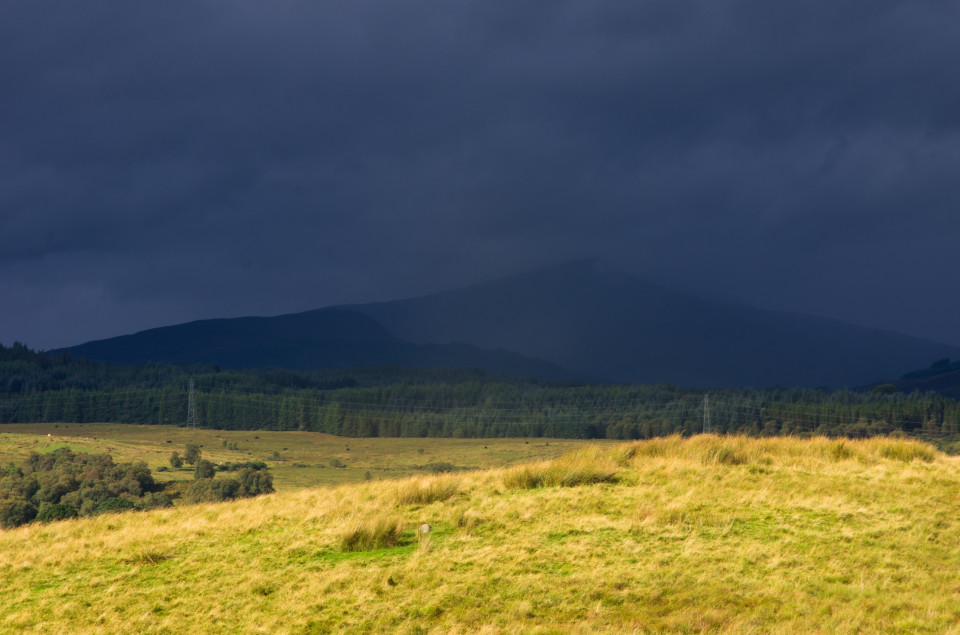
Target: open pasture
column 297, row 459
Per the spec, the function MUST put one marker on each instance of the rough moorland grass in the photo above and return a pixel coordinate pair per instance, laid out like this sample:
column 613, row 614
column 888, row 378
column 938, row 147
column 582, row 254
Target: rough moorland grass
column 585, row 467
column 789, row 535
column 709, row 449
column 422, row 491
column 903, row 450
column 376, row 533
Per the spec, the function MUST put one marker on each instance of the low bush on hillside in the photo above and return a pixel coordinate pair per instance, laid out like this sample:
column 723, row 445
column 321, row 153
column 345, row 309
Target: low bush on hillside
column 233, row 467
column 55, row 485
column 16, row 512
column 247, row 482
column 439, row 467
column 56, row 511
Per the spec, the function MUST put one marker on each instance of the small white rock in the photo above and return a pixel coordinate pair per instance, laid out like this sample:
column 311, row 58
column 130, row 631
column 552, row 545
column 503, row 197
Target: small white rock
column 424, row 528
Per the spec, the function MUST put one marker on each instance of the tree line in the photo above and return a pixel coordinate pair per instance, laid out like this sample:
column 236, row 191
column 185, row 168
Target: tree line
column 397, row 402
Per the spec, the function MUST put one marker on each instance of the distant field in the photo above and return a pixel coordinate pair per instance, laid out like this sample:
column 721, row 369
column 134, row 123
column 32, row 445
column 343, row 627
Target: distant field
column 305, row 458
column 707, row 534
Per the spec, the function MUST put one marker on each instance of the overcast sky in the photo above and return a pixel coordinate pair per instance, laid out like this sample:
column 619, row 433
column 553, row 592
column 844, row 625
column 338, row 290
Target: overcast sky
column 168, row 161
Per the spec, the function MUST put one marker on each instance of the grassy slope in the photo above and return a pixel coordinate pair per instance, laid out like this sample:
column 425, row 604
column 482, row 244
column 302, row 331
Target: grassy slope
column 305, row 456
column 708, row 533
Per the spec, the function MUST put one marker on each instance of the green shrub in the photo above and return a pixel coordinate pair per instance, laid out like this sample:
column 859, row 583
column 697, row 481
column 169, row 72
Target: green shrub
column 204, row 469
column 14, row 513
column 439, row 467
column 192, row 453
column 212, row 490
column 56, row 511
column 253, row 465
column 115, row 504
column 255, row 482
column 155, row 500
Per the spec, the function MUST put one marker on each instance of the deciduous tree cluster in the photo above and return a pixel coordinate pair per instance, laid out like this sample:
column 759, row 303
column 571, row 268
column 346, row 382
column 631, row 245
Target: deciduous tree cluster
column 67, row 484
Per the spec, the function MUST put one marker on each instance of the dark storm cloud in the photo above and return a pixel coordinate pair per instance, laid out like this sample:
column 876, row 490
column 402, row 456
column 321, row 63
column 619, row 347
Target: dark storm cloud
column 170, row 161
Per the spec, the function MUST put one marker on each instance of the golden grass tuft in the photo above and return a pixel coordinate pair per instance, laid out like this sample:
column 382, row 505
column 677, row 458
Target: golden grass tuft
column 425, row 490
column 586, row 467
column 707, row 449
column 906, row 450
column 381, row 532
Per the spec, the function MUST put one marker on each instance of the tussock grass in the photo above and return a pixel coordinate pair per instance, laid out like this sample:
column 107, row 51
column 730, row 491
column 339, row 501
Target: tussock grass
column 148, row 557
column 906, row 450
column 585, row 467
column 554, row 475
column 681, row 514
column 425, row 490
column 740, row 450
column 702, row 534
column 377, row 533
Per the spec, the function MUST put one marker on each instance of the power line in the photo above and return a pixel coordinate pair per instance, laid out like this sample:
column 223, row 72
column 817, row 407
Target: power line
column 191, row 407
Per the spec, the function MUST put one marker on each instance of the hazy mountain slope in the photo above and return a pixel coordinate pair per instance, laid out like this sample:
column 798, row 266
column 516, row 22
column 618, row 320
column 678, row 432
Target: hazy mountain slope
column 327, row 338
column 942, row 377
column 618, row 328
column 947, row 384
column 595, row 322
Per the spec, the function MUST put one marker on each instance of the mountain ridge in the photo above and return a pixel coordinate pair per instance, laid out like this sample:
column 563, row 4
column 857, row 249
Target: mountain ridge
column 615, row 327
column 577, row 319
column 321, row 338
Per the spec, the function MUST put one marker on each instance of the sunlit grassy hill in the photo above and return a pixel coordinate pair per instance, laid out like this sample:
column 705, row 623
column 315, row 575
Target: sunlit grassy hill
column 700, row 534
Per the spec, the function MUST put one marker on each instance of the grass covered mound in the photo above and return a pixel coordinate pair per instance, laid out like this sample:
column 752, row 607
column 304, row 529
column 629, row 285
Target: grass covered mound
column 707, row 533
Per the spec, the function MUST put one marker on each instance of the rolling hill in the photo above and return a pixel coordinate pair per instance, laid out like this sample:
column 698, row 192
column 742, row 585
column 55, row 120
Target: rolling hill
column 790, row 536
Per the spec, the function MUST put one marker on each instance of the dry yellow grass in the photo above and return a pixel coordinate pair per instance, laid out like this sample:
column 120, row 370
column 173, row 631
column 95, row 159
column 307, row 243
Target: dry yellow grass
column 706, row 534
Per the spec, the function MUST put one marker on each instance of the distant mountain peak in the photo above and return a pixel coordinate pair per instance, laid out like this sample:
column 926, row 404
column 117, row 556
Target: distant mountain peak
column 600, row 321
